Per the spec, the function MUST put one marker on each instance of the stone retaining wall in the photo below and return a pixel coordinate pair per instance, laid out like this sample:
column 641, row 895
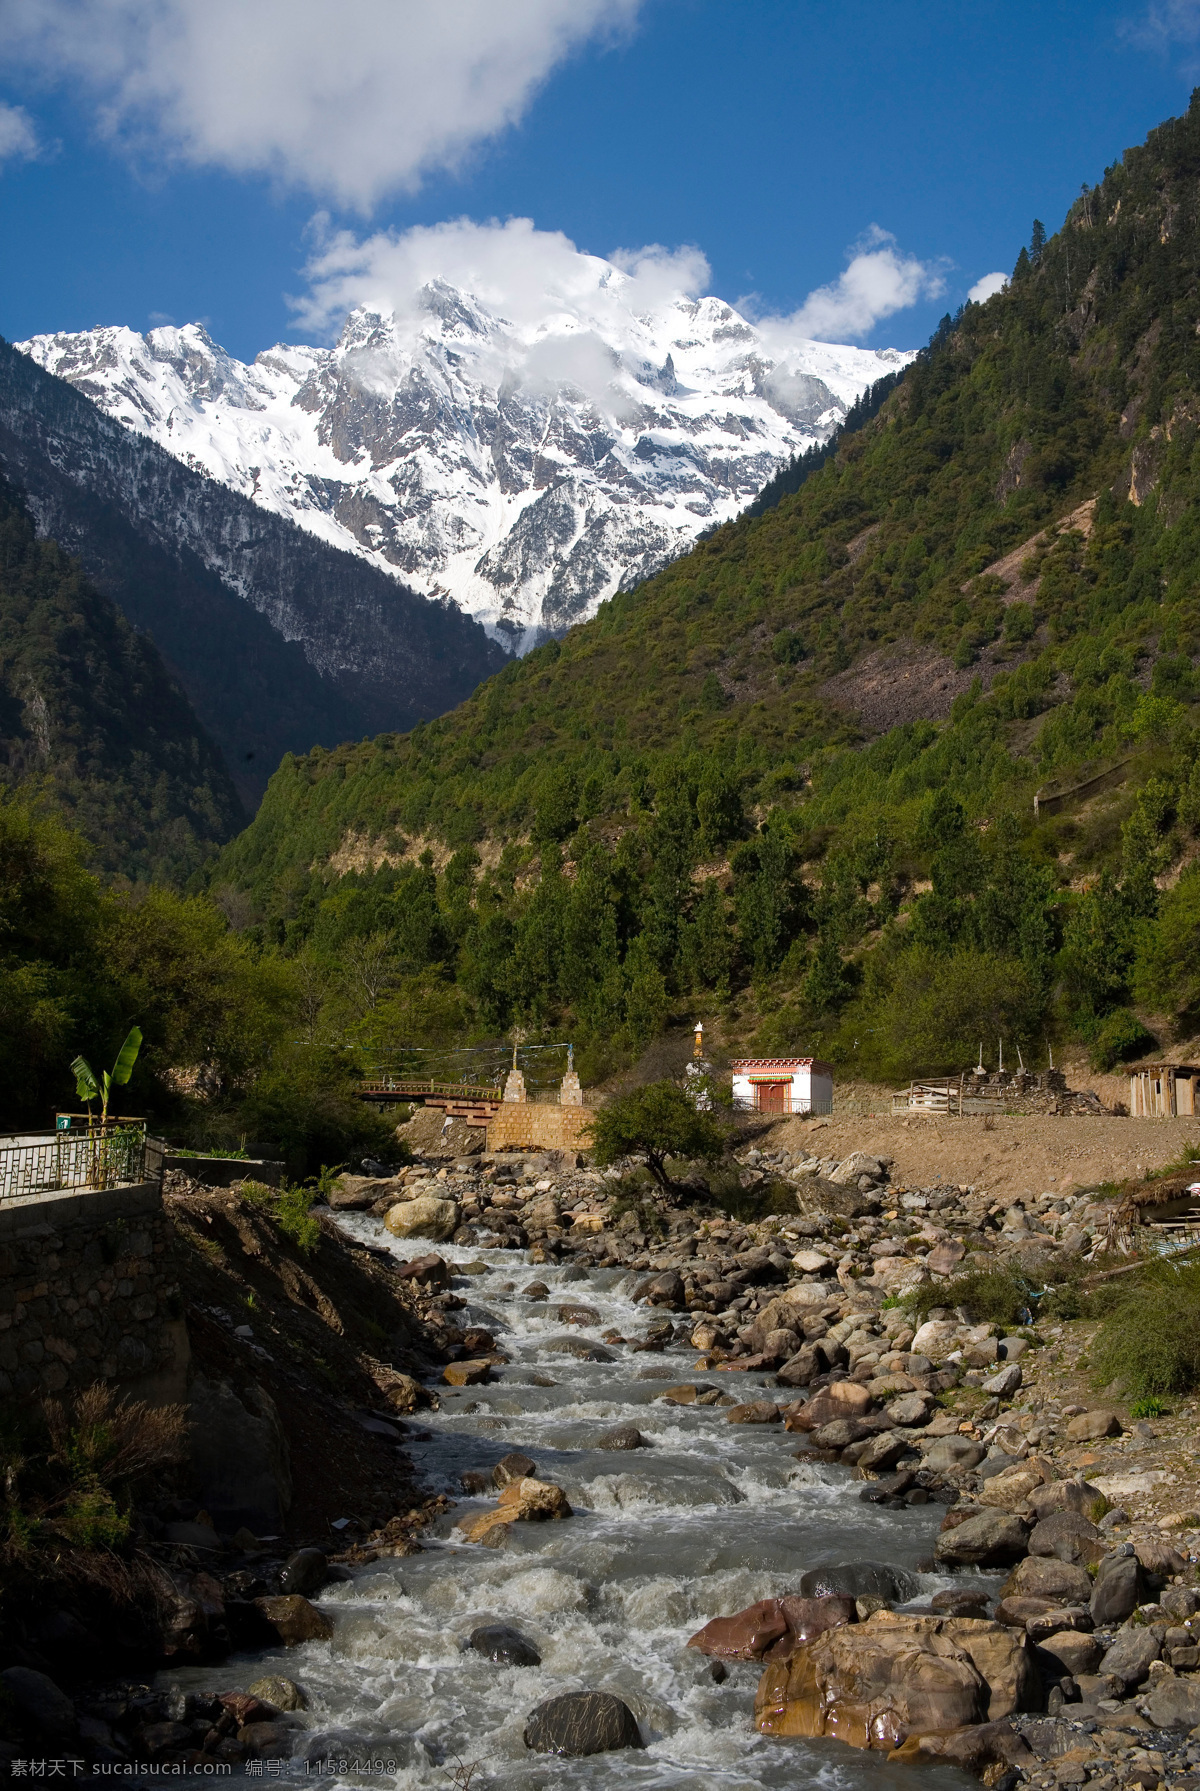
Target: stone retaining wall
column 88, row 1292
column 530, row 1125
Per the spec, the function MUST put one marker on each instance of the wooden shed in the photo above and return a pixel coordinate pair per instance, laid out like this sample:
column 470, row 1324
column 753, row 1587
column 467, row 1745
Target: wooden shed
column 1163, row 1090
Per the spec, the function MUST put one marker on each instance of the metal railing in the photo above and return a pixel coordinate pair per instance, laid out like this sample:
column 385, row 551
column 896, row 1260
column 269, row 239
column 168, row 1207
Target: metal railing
column 34, row 1163
column 786, row 1107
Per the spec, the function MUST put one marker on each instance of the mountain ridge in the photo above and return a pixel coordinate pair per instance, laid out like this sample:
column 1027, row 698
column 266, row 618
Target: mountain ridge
column 281, row 641
column 528, row 471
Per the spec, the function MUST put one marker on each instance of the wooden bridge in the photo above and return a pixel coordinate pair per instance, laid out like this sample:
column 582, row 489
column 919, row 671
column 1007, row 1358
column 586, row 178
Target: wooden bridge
column 477, row 1103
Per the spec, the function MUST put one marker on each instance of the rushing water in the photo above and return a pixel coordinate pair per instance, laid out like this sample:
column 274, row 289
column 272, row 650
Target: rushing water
column 708, row 1519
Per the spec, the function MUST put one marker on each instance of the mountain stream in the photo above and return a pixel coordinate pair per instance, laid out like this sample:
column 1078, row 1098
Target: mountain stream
column 709, row 1518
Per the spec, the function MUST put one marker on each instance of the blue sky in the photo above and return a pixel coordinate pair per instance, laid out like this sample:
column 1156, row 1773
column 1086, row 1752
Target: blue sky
column 165, row 160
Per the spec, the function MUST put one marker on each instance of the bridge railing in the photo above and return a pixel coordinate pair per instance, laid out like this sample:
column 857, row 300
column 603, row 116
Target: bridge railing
column 404, row 1086
column 54, row 1162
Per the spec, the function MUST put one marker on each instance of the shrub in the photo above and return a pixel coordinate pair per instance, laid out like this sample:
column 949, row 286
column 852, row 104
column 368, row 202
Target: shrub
column 306, row 1105
column 288, row 1207
column 1148, row 1408
column 656, row 1122
column 995, row 1296
column 1150, row 1336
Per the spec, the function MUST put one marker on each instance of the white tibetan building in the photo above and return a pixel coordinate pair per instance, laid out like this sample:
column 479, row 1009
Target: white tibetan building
column 783, row 1085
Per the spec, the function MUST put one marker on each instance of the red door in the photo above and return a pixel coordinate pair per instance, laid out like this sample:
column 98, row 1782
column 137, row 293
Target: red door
column 773, row 1096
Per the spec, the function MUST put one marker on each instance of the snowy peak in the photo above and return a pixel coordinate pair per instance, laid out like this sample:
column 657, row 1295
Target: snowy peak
column 526, row 467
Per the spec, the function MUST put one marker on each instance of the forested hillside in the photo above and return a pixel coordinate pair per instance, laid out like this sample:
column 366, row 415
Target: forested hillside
column 794, row 773
column 92, row 723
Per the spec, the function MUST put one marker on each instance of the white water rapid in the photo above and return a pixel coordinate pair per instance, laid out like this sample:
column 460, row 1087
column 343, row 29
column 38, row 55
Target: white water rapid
column 709, row 1518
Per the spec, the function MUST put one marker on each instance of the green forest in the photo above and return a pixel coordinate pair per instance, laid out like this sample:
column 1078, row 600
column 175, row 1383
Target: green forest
column 682, row 807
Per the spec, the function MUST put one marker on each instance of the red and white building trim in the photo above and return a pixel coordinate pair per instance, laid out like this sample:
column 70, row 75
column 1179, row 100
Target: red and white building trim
column 783, row 1085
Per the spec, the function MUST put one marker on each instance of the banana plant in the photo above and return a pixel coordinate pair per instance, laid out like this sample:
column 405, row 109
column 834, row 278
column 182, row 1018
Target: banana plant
column 89, row 1087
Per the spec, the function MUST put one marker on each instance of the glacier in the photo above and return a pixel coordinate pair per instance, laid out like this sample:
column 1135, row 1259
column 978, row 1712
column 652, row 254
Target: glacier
column 523, row 472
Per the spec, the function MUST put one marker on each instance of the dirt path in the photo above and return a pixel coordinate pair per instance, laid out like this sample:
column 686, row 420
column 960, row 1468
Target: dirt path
column 1011, row 1155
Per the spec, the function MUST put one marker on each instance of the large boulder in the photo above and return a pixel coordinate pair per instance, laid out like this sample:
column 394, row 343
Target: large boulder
column 526, row 1500
column 975, row 1749
column 872, row 1684
column 945, row 1454
column 1174, row 1703
column 858, row 1579
column 1003, row 1660
column 625, row 1436
column 1045, row 1576
column 745, row 1636
column 304, row 1572
column 427, row 1216
column 582, row 1722
column 294, row 1620
column 1069, row 1536
column 1131, row 1655
column 1118, row 1590
column 1090, row 1427
column 935, row 1338
column 841, row 1399
column 504, row 1645
column 755, row 1411
column 1072, row 1651
column 44, row 1705
column 857, row 1164
column 992, row 1539
column 1066, row 1495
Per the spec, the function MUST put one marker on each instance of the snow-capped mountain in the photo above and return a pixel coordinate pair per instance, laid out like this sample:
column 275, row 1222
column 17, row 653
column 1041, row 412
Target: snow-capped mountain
column 525, row 471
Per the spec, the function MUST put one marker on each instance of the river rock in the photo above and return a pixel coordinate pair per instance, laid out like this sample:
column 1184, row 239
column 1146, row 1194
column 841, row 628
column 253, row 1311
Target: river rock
column 1004, row 1384
column 857, row 1164
column 1174, row 1703
column 1045, row 1576
column 42, row 1703
column 625, row 1436
column 577, row 1315
column 1089, row 1427
column 524, row 1500
column 263, row 1741
column 946, row 1453
column 884, row 1451
column 514, row 1466
column 304, row 1572
column 1158, row 1557
column 1118, row 1590
column 295, row 1620
column 841, row 1399
column 755, row 1411
column 1069, row 1536
column 467, row 1374
column 1131, row 1654
column 857, row 1579
column 580, row 1348
column 992, row 1539
column 504, row 1645
column 840, row 1434
column 974, row 1749
column 910, row 1408
column 582, row 1722
column 1065, row 1495
column 935, row 1338
column 746, row 1635
column 953, row 1603
column 283, row 1693
column 431, row 1272
column 871, row 1684
column 1073, row 1651
column 425, row 1217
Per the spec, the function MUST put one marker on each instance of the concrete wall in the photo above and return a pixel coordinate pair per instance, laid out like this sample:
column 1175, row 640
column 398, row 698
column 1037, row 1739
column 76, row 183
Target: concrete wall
column 530, row 1125
column 88, row 1292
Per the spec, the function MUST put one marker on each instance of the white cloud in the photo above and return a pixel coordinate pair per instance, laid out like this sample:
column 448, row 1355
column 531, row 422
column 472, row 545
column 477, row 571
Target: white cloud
column 349, row 98
column 537, row 279
column 987, row 288
column 878, row 282
column 1165, row 22
column 18, row 139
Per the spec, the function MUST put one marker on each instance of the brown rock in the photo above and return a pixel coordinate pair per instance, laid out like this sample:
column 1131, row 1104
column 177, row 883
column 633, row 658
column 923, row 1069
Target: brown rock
column 871, row 1684
column 528, row 1499
column 884, row 1451
column 811, row 1617
column 467, row 1374
column 514, row 1466
column 745, row 1636
column 295, row 1620
column 989, row 1539
column 1045, row 1576
column 1009, row 1492
column 1089, row 1427
column 1019, row 1612
column 1072, row 1651
column 1002, row 1659
column 1066, row 1495
column 267, row 1741
column 974, row 1749
column 1159, row 1557
column 1069, row 1536
column 841, row 1399
column 755, row 1411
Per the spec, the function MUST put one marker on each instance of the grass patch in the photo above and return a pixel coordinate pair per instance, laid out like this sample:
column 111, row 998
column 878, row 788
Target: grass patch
column 1150, row 1334
column 770, row 1200
column 288, row 1207
column 1148, row 1408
